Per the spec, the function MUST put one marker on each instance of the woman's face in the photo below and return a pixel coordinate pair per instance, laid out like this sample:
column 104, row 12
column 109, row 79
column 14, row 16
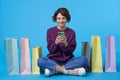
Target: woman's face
column 61, row 20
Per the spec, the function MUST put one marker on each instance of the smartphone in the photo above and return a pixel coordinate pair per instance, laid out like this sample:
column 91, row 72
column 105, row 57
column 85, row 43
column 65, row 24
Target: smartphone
column 61, row 33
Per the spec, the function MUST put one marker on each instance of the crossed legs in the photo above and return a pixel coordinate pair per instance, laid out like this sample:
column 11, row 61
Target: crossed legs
column 71, row 67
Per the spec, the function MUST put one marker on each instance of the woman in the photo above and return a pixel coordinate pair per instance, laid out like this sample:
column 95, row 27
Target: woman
column 61, row 42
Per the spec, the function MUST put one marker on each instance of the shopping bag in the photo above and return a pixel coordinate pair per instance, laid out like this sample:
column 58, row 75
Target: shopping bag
column 96, row 54
column 110, row 61
column 11, row 48
column 36, row 53
column 25, row 66
column 86, row 53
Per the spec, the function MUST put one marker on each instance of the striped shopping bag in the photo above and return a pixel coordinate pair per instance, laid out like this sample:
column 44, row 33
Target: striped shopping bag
column 11, row 48
column 110, row 61
column 36, row 53
column 25, row 66
column 96, row 54
column 86, row 53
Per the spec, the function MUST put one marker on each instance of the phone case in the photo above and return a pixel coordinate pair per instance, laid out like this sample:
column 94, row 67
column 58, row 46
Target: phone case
column 61, row 33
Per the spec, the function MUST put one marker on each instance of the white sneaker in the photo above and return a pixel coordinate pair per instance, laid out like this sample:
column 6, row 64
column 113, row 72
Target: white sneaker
column 49, row 72
column 81, row 72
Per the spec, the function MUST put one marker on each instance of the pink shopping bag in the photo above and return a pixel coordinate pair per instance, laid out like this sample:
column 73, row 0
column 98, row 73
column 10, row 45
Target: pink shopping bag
column 25, row 67
column 110, row 62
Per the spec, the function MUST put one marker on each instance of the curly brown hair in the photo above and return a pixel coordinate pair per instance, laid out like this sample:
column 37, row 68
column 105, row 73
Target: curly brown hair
column 64, row 12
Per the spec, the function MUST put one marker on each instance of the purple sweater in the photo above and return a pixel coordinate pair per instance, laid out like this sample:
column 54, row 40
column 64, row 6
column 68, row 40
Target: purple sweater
column 59, row 52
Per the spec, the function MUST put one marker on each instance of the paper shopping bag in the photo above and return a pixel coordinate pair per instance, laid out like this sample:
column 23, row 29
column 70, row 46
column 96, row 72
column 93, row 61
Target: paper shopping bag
column 86, row 53
column 25, row 67
column 36, row 53
column 110, row 61
column 11, row 48
column 96, row 54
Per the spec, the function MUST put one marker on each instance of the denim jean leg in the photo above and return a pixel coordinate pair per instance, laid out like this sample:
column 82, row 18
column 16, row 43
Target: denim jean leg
column 47, row 63
column 76, row 63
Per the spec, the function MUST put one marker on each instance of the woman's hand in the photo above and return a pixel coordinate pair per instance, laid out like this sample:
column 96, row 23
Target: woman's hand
column 62, row 39
column 58, row 40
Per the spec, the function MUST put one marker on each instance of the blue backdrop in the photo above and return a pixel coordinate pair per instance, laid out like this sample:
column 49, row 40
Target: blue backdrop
column 32, row 18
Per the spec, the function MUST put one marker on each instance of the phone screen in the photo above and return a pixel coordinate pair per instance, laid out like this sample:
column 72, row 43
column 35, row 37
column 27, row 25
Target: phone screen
column 61, row 33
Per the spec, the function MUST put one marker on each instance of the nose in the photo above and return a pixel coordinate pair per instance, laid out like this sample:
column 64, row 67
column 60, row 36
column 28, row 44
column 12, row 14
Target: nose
column 61, row 20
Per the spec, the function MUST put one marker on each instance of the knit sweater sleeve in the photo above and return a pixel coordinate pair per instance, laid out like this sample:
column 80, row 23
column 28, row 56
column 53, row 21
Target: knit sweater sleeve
column 52, row 47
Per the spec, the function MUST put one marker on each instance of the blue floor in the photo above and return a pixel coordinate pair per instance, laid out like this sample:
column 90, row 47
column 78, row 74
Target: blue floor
column 89, row 76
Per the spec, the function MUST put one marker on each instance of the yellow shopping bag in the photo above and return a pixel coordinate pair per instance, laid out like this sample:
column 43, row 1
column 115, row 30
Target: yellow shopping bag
column 96, row 54
column 36, row 53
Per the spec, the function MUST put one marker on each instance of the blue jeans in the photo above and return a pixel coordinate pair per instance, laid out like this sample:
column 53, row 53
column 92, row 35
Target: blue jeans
column 70, row 64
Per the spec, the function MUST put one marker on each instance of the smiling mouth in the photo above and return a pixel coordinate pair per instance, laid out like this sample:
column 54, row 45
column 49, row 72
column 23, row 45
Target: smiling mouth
column 62, row 23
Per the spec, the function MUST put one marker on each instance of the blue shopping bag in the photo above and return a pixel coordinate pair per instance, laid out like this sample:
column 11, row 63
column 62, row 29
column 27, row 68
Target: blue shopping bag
column 11, row 48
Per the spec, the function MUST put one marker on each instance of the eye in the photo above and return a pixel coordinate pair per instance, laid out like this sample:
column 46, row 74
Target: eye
column 64, row 18
column 58, row 18
column 61, row 18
